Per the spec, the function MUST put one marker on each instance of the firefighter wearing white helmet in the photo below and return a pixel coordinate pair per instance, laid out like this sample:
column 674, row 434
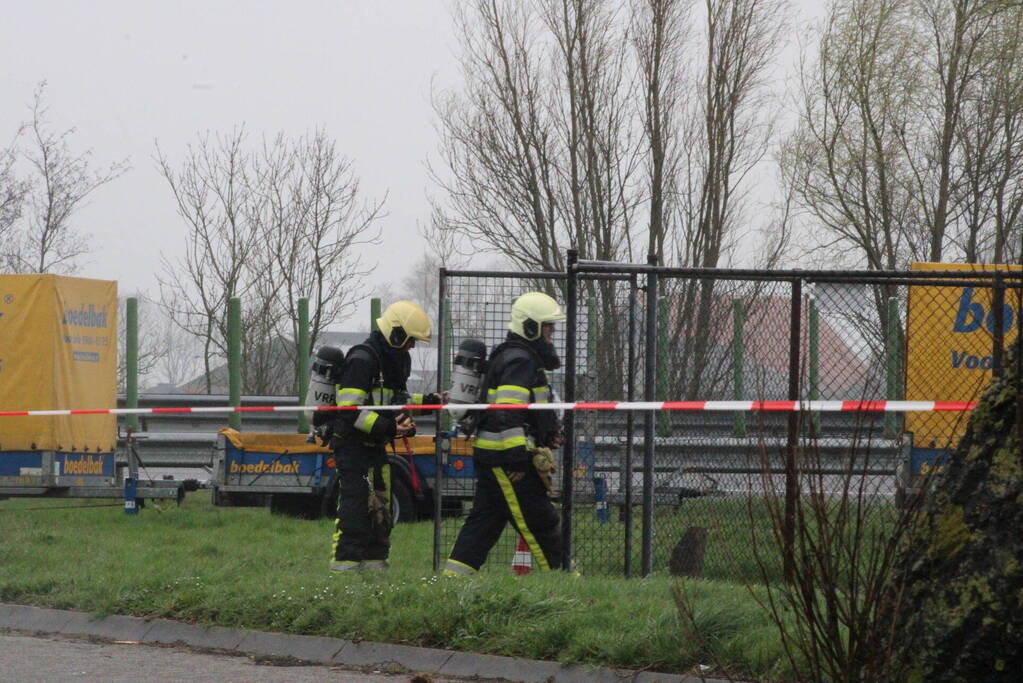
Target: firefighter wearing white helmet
column 373, row 373
column 512, row 450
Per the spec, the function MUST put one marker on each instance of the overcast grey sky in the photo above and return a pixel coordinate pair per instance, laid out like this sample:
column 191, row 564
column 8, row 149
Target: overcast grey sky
column 127, row 73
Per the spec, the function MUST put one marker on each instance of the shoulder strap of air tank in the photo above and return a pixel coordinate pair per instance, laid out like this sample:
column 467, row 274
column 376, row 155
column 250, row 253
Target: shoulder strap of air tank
column 374, row 355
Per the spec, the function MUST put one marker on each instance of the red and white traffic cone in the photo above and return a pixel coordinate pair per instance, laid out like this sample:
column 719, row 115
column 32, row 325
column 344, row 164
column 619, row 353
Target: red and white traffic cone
column 522, row 560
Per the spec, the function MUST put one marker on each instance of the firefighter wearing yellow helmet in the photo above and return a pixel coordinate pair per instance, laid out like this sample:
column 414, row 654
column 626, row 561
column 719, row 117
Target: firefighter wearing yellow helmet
column 512, row 450
column 373, row 373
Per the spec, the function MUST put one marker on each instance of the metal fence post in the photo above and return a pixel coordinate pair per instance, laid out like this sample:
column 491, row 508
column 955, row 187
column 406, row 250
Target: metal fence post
column 738, row 354
column 444, row 348
column 303, row 361
column 649, row 390
column 131, row 360
column 814, row 361
column 893, row 367
column 444, row 335
column 568, row 448
column 792, row 441
column 234, row 359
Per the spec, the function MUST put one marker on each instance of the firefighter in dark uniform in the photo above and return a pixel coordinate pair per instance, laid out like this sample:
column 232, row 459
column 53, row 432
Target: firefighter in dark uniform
column 512, row 450
column 374, row 373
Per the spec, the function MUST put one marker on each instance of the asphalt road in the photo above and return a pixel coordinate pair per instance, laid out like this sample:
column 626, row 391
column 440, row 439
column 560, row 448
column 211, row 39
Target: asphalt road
column 30, row 659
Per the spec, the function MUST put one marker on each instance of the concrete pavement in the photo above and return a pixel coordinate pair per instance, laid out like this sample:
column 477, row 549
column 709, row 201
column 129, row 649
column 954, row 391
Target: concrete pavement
column 286, row 649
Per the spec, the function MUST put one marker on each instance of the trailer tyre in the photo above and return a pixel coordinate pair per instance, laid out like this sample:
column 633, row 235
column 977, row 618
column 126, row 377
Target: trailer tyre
column 328, row 504
column 403, row 506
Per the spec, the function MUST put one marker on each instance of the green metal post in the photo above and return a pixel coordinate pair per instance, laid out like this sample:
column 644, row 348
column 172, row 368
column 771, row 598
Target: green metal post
column 663, row 418
column 445, row 355
column 234, row 359
column 814, row 369
column 893, row 368
column 374, row 312
column 738, row 323
column 131, row 359
column 303, row 361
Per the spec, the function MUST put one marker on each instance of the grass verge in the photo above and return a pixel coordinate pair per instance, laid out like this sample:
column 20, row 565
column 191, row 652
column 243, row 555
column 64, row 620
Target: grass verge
column 242, row 567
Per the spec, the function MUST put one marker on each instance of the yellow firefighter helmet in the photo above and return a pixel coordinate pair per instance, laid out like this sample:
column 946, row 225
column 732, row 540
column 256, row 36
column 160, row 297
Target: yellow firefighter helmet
column 403, row 320
column 530, row 311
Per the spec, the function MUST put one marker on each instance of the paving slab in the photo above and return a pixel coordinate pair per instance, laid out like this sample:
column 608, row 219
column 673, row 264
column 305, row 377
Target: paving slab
column 467, row 664
column 306, row 648
column 112, row 627
column 364, row 654
column 169, row 632
column 28, row 618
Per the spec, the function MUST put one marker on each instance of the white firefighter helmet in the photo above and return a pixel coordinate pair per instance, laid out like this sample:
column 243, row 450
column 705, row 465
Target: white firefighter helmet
column 403, row 320
column 530, row 311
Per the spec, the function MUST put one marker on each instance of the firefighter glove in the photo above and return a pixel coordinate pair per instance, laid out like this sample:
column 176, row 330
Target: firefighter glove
column 379, row 510
column 404, row 425
column 543, row 462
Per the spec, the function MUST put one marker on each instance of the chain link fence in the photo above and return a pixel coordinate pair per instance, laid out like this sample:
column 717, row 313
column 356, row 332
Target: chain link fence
column 691, row 498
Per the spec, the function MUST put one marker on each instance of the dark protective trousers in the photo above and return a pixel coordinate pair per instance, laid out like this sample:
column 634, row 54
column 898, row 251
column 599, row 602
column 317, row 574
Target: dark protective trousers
column 500, row 500
column 357, row 535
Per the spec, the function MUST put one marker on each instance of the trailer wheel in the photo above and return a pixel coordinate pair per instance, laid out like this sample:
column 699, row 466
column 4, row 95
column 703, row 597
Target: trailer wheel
column 328, row 504
column 403, row 506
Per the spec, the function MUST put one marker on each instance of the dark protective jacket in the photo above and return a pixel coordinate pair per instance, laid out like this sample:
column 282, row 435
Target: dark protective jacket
column 377, row 376
column 515, row 374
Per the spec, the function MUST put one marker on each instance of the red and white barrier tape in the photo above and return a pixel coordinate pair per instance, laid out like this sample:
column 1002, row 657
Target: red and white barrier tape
column 690, row 406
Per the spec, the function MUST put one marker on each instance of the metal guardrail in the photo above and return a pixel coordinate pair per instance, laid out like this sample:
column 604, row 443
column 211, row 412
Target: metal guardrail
column 189, row 440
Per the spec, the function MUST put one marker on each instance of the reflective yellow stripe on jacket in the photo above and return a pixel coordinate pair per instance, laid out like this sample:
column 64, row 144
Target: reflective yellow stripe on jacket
column 513, row 437
column 353, row 396
column 508, row 393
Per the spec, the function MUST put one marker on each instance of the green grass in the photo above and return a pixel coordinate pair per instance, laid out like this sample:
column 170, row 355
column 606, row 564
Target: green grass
column 242, row 567
column 599, row 548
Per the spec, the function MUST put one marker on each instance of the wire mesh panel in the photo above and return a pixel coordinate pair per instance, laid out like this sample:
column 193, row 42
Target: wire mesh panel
column 477, row 305
column 607, row 474
column 718, row 339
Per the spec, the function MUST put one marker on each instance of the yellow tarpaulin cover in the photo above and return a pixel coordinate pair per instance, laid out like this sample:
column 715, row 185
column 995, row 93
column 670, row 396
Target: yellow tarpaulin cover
column 296, row 443
column 58, row 350
column 948, row 349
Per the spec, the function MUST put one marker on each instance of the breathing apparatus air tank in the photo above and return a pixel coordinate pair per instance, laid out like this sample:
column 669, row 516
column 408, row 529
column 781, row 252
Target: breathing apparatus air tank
column 466, row 377
column 323, row 376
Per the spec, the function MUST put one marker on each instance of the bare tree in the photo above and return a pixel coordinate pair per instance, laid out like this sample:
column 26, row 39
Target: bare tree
column 539, row 148
column 724, row 135
column 183, row 361
column 568, row 104
column 659, row 36
column 312, row 222
column 955, row 33
column 845, row 161
column 12, row 198
column 60, row 181
column 268, row 227
column 212, row 196
column 990, row 136
column 422, row 283
column 909, row 139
